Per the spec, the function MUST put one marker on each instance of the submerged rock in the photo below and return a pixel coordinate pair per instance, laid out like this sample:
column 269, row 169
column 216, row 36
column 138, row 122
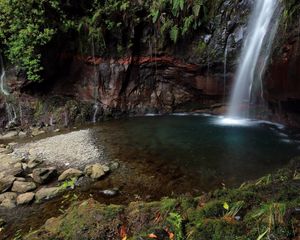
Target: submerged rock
column 43, row 175
column 46, row 193
column 25, row 198
column 96, row 171
column 22, row 187
column 69, row 174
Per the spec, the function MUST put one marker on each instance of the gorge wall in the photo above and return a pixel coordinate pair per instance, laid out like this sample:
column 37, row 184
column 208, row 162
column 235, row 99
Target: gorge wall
column 153, row 77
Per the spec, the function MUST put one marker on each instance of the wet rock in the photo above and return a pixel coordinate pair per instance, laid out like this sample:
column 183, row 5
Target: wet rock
column 6, row 150
column 9, row 135
column 96, row 171
column 34, row 162
column 7, row 203
column 43, row 175
column 8, row 200
column 110, row 192
column 16, row 170
column 114, row 166
column 52, row 225
column 2, row 222
column 36, row 132
column 20, row 179
column 25, row 198
column 22, row 134
column 46, row 193
column 69, row 174
column 6, row 183
column 23, row 187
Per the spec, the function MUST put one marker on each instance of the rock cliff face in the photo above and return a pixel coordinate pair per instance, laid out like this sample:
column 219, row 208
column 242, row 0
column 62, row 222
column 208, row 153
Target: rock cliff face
column 152, row 78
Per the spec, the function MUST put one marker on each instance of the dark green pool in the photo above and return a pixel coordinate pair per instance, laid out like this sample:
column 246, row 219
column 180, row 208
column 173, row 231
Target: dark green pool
column 188, row 152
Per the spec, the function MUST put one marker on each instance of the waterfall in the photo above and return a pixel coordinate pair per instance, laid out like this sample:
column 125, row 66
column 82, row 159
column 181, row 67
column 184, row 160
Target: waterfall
column 2, row 78
column 96, row 107
column 225, row 71
column 262, row 28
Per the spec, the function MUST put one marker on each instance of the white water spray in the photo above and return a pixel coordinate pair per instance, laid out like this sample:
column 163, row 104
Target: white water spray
column 259, row 36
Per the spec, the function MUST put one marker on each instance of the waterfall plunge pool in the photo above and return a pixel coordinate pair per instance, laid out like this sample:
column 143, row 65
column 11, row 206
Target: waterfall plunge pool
column 195, row 153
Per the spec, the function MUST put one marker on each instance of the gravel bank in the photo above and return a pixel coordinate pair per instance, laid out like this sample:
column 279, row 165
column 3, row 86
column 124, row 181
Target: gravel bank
column 75, row 149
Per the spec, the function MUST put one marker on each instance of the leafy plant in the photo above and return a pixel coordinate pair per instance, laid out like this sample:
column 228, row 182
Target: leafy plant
column 175, row 220
column 68, row 184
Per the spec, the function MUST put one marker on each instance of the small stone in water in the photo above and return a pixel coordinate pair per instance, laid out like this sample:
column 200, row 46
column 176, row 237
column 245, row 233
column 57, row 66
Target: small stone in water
column 110, row 192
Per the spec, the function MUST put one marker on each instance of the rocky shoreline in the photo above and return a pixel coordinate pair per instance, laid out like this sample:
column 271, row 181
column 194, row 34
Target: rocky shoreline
column 267, row 207
column 35, row 172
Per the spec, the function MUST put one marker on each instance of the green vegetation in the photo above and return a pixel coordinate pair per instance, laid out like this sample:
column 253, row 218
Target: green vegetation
column 263, row 209
column 28, row 27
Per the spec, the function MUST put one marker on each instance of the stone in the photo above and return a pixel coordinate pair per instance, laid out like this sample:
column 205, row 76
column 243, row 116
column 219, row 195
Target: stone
column 20, row 179
column 52, row 225
column 34, row 162
column 6, row 150
column 69, row 174
column 25, row 198
column 114, row 166
column 16, row 170
column 8, row 203
column 9, row 135
column 2, row 222
column 96, row 171
column 6, row 183
column 43, row 175
column 22, row 134
column 23, row 187
column 46, row 193
column 8, row 195
column 8, row 200
column 36, row 132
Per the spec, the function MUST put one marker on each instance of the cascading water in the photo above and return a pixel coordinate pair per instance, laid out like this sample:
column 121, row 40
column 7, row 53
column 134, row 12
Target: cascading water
column 96, row 105
column 262, row 27
column 2, row 77
column 10, row 109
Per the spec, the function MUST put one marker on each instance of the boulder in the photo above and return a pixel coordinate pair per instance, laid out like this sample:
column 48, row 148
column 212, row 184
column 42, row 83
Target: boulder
column 46, row 193
column 8, row 203
column 6, row 183
column 16, row 170
column 8, row 195
column 43, row 175
column 34, row 162
column 96, row 171
column 8, row 200
column 69, row 174
column 25, row 198
column 22, row 187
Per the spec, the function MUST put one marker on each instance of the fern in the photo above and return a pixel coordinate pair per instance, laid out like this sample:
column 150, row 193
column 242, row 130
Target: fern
column 176, row 222
column 174, row 33
column 167, row 24
column 187, row 22
column 177, row 5
column 197, row 7
column 154, row 13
